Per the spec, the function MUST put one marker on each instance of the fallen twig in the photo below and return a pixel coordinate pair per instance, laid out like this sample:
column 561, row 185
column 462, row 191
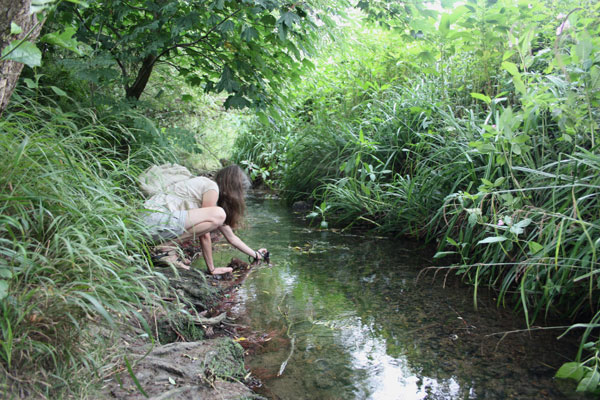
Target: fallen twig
column 284, row 364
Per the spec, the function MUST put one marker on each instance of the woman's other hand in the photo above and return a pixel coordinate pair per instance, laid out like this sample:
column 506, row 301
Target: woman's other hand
column 263, row 254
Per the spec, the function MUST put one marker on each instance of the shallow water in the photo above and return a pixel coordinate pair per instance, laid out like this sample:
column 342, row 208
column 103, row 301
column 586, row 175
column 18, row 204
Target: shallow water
column 348, row 317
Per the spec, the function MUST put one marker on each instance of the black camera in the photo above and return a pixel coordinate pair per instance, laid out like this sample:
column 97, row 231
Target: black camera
column 266, row 256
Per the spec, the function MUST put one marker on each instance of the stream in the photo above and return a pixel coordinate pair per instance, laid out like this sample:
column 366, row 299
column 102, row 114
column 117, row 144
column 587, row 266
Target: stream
column 344, row 316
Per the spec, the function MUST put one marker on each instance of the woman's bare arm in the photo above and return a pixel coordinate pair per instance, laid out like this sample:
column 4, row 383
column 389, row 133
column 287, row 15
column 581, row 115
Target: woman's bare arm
column 239, row 243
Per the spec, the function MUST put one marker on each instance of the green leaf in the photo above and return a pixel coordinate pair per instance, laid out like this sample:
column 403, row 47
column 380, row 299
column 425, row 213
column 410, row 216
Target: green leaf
column 288, row 18
column 441, row 254
column 236, row 101
column 58, row 91
column 444, row 25
column 492, row 239
column 508, row 54
column 524, row 223
column 134, row 378
column 482, row 97
column 249, row 33
column 5, row 271
column 584, row 47
column 511, row 68
column 590, row 382
column 30, row 83
column 519, row 85
column 534, row 247
column 452, row 241
column 3, row 289
column 227, row 26
column 15, row 29
column 227, row 81
column 516, row 230
column 426, row 56
column 63, row 39
column 268, row 20
column 263, row 118
column 23, row 52
column 187, row 98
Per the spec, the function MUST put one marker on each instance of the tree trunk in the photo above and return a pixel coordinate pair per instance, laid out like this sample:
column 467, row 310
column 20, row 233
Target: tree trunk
column 17, row 11
column 136, row 90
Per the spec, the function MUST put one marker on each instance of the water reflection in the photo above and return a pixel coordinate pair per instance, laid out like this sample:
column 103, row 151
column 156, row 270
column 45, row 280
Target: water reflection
column 347, row 319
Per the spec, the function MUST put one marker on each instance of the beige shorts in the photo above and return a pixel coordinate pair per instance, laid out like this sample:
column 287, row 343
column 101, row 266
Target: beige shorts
column 166, row 225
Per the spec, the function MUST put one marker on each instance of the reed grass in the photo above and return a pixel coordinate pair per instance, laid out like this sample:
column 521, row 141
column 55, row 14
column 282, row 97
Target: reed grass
column 71, row 248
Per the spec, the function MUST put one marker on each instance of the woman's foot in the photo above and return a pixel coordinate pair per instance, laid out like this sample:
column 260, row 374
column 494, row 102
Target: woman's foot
column 175, row 261
column 170, row 256
column 175, row 251
column 221, row 271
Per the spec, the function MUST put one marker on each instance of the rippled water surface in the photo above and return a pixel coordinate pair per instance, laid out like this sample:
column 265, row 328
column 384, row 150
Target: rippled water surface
column 345, row 317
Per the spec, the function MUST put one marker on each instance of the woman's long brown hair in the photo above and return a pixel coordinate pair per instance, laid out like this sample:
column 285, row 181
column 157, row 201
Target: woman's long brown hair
column 233, row 183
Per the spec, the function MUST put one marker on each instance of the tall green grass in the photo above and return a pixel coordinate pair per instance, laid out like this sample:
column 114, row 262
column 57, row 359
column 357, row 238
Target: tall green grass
column 71, row 248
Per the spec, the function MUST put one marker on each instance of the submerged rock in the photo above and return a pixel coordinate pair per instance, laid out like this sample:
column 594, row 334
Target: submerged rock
column 301, row 206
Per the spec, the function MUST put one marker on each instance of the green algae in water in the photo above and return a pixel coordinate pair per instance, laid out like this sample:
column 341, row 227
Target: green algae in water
column 362, row 326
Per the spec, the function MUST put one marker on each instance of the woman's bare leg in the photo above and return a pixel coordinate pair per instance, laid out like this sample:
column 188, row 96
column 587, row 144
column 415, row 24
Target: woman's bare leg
column 202, row 220
column 199, row 223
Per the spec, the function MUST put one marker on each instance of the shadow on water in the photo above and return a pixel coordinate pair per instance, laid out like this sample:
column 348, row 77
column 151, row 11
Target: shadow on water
column 345, row 317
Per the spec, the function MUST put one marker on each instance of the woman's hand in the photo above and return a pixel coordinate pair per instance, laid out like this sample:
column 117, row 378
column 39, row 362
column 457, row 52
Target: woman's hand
column 263, row 254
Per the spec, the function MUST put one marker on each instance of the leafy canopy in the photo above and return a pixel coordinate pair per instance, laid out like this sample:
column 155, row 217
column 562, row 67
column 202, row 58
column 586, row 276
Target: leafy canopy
column 246, row 48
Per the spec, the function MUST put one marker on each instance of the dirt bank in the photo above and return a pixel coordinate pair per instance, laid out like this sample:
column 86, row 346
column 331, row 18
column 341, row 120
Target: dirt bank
column 192, row 354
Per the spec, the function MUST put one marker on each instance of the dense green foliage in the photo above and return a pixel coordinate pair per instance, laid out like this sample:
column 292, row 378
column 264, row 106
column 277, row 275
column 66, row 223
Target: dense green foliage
column 246, row 49
column 480, row 134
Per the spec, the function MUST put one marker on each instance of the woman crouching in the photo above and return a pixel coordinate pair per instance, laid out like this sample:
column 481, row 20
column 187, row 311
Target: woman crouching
column 193, row 208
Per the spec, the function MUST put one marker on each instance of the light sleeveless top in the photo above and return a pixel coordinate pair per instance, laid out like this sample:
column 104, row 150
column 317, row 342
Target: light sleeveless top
column 183, row 195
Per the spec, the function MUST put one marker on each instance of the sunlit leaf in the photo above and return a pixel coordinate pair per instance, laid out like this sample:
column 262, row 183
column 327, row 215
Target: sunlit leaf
column 64, row 39
column 23, row 52
column 511, row 68
column 15, row 29
column 492, row 239
column 482, row 97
